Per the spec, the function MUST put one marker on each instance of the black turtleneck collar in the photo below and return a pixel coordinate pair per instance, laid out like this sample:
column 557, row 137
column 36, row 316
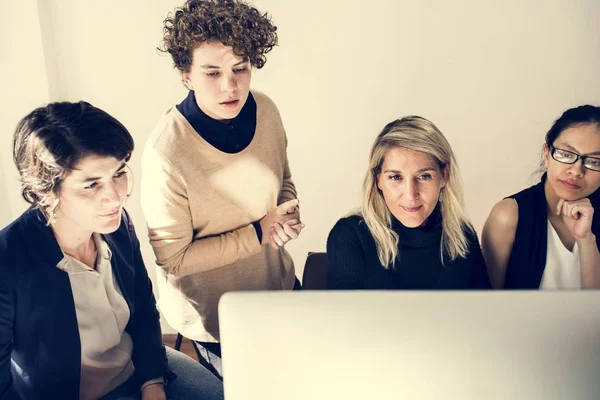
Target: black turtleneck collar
column 426, row 235
column 231, row 137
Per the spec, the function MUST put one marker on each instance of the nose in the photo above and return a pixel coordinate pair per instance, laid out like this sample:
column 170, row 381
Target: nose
column 576, row 168
column 229, row 83
column 110, row 196
column 411, row 189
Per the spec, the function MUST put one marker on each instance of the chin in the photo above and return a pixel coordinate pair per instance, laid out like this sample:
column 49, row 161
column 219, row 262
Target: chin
column 566, row 194
column 411, row 221
column 109, row 227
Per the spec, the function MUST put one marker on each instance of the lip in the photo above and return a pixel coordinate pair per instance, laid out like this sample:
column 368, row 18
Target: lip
column 112, row 214
column 570, row 184
column 411, row 209
column 232, row 103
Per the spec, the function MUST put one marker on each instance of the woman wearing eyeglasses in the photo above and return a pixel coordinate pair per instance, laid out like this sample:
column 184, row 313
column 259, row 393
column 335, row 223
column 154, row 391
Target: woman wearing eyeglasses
column 547, row 236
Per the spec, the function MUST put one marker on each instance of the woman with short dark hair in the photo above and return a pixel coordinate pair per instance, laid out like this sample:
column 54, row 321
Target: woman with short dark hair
column 78, row 319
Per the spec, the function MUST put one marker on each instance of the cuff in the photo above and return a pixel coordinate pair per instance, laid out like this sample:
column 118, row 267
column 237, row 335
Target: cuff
column 152, row 382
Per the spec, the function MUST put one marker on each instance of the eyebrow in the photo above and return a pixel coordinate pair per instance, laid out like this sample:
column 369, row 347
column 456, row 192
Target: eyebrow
column 418, row 172
column 209, row 66
column 593, row 153
column 95, row 178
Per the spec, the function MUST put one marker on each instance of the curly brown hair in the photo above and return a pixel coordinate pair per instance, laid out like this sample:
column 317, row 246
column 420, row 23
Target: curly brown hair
column 231, row 22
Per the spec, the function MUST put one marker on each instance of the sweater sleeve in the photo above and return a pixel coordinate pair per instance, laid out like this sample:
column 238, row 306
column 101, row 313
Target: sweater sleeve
column 479, row 274
column 167, row 211
column 288, row 189
column 345, row 257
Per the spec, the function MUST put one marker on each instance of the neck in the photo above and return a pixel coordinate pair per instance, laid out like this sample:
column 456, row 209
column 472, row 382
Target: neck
column 77, row 243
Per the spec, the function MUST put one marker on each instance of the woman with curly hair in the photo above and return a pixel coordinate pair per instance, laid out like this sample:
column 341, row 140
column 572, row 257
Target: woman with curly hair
column 78, row 319
column 412, row 231
column 217, row 190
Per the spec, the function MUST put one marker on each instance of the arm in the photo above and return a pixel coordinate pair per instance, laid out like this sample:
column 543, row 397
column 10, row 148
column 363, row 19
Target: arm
column 589, row 261
column 479, row 274
column 288, row 189
column 497, row 239
column 577, row 216
column 7, row 316
column 345, row 258
column 166, row 208
column 149, row 356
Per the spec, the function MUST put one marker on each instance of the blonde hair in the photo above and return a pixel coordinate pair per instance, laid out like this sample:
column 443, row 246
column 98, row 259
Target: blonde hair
column 418, row 134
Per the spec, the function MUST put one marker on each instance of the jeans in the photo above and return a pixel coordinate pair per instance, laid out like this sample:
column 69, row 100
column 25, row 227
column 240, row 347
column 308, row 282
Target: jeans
column 193, row 382
column 211, row 352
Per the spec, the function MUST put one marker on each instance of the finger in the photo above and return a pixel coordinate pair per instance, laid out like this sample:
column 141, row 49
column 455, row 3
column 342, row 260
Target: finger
column 287, row 217
column 283, row 208
column 273, row 245
column 297, row 228
column 584, row 207
column 559, row 206
column 276, row 238
column 295, row 208
column 573, row 211
column 290, row 232
column 291, row 222
column 567, row 210
column 278, row 228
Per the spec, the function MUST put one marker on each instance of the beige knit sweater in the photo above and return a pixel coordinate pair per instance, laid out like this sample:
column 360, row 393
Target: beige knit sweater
column 199, row 204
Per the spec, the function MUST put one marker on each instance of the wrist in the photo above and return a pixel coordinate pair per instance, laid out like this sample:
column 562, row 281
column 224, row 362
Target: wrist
column 587, row 240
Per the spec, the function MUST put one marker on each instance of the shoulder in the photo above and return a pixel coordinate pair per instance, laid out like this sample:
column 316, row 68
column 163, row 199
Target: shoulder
column 531, row 195
column 22, row 242
column 168, row 138
column 263, row 101
column 504, row 215
column 15, row 236
column 348, row 227
column 266, row 110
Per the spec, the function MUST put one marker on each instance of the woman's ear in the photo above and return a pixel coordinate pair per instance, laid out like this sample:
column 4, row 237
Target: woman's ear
column 445, row 175
column 52, row 208
column 185, row 79
column 377, row 176
column 545, row 155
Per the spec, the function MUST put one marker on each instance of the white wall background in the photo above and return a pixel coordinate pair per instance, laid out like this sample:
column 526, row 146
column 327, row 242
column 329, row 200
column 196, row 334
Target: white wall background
column 492, row 75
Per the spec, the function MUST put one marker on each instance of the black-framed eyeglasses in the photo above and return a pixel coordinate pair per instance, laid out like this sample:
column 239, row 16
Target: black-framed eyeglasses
column 568, row 157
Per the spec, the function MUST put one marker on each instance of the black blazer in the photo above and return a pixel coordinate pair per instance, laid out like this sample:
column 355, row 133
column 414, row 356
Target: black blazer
column 40, row 350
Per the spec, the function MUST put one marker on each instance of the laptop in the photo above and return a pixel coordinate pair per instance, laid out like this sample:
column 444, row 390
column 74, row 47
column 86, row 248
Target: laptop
column 380, row 345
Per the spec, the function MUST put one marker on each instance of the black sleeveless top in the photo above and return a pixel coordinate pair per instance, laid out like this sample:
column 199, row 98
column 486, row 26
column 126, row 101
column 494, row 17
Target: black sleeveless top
column 528, row 255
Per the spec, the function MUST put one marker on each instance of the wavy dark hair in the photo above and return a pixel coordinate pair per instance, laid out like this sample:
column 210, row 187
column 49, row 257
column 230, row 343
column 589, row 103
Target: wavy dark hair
column 231, row 22
column 50, row 141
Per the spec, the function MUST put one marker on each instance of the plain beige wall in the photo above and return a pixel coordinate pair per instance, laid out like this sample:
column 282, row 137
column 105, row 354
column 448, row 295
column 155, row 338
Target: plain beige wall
column 492, row 75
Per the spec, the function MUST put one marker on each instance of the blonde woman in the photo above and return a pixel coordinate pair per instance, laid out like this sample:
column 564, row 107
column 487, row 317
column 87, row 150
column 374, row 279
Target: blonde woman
column 412, row 231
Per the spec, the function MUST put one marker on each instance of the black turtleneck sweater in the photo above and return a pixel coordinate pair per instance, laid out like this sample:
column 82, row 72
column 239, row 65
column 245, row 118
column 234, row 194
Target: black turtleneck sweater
column 353, row 262
column 232, row 136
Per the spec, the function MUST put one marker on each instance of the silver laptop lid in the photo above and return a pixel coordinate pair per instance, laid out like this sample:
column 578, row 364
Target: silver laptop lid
column 411, row 345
